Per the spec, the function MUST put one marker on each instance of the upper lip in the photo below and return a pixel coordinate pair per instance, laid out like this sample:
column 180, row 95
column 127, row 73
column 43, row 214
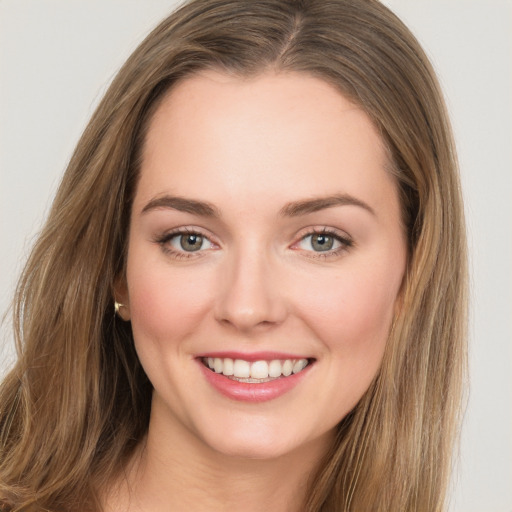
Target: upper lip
column 253, row 356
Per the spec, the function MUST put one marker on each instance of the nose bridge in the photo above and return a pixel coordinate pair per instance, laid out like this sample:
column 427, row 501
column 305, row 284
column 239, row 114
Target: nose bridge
column 249, row 294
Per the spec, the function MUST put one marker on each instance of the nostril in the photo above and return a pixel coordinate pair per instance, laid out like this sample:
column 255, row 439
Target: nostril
column 248, row 296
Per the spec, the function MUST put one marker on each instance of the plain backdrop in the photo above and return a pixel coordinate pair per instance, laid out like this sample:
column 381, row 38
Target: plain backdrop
column 58, row 56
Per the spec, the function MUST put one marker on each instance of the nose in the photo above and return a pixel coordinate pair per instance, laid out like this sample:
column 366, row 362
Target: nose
column 250, row 295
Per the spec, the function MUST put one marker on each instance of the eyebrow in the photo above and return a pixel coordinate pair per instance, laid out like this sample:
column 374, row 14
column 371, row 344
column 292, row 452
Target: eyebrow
column 182, row 204
column 298, row 208
column 293, row 209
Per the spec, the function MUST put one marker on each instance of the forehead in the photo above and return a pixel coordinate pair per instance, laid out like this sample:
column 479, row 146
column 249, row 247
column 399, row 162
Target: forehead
column 276, row 135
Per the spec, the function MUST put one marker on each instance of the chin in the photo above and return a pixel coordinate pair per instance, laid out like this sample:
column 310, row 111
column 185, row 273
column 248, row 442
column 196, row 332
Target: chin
column 261, row 441
column 253, row 449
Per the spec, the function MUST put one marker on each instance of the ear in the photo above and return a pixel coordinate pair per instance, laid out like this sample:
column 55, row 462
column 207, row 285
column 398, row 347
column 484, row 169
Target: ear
column 122, row 298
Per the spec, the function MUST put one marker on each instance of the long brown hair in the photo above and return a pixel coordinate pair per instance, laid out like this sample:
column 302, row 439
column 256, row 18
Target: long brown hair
column 77, row 402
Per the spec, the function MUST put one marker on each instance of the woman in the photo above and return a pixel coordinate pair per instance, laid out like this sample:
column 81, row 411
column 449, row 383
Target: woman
column 251, row 287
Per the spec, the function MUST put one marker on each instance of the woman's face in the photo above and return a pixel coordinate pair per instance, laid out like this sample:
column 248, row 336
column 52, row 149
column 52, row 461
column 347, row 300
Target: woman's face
column 265, row 234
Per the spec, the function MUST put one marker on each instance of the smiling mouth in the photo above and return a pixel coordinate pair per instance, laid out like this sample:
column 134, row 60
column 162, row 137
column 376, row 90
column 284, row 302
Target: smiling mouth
column 256, row 371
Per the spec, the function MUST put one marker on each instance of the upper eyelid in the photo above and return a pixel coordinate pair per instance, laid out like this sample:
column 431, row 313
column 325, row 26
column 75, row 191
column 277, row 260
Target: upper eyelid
column 185, row 231
column 317, row 230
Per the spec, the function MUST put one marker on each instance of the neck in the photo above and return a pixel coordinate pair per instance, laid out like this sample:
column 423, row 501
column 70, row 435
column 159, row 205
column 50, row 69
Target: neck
column 173, row 471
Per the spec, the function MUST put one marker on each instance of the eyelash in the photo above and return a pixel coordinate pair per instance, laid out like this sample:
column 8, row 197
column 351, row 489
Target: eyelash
column 164, row 240
column 345, row 243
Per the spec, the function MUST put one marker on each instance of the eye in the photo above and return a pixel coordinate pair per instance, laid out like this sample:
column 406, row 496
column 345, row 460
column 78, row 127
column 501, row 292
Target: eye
column 184, row 243
column 189, row 242
column 319, row 242
column 325, row 242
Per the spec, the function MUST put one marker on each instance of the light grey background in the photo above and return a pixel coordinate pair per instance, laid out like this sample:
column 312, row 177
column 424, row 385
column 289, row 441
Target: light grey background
column 57, row 57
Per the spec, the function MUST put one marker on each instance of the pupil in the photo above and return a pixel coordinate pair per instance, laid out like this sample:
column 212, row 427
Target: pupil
column 191, row 242
column 322, row 242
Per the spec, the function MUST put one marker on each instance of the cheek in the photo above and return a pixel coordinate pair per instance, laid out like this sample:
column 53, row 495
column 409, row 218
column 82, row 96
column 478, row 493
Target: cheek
column 164, row 304
column 351, row 316
column 352, row 312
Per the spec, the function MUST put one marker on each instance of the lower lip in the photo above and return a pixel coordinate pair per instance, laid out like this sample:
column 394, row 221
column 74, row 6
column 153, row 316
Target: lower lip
column 252, row 392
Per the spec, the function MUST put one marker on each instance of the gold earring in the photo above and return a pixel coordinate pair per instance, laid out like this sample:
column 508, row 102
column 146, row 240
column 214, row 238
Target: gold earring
column 118, row 305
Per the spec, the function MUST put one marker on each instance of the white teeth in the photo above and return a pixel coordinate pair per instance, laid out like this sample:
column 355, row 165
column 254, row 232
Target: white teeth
column 241, row 369
column 218, row 365
column 287, row 367
column 228, row 367
column 274, row 368
column 259, row 370
column 299, row 365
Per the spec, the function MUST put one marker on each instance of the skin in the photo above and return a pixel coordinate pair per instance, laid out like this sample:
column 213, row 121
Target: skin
column 249, row 148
